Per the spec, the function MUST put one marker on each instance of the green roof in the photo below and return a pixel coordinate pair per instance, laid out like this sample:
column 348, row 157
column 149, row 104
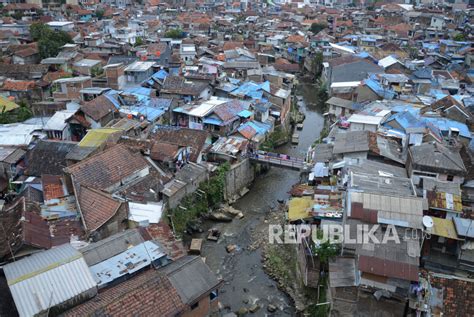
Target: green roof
column 96, row 137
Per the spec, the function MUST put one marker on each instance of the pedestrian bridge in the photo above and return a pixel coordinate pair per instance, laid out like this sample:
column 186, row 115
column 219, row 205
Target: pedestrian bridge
column 279, row 160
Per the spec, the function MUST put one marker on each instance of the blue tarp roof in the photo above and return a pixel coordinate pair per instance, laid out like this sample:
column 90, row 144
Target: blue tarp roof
column 245, row 113
column 150, row 113
column 406, row 120
column 444, row 124
column 379, row 90
column 139, row 91
column 438, row 94
column 112, row 98
column 400, row 108
column 161, row 74
column 212, row 120
column 252, row 89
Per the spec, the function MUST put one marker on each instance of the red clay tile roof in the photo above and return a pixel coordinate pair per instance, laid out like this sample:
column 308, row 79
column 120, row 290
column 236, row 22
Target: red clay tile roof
column 107, row 169
column 289, row 68
column 52, row 186
column 11, row 239
column 458, row 295
column 21, row 6
column 26, row 52
column 230, row 45
column 98, row 107
column 148, row 294
column 45, row 234
column 162, row 233
column 52, row 76
column 161, row 151
column 295, row 39
column 195, row 139
column 18, row 85
column 96, row 207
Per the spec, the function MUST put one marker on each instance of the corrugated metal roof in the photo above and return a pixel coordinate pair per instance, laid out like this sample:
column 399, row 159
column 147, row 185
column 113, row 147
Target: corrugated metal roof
column 464, row 227
column 444, row 228
column 127, row 262
column 47, row 279
column 400, row 211
column 96, row 137
column 19, row 133
column 58, row 120
column 191, row 278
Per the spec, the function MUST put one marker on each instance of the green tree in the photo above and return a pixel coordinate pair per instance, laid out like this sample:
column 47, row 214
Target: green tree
column 459, row 37
column 139, row 41
column 175, row 33
column 18, row 115
column 17, row 15
column 49, row 40
column 97, row 71
column 99, row 13
column 325, row 250
column 321, row 93
column 317, row 27
column 317, row 64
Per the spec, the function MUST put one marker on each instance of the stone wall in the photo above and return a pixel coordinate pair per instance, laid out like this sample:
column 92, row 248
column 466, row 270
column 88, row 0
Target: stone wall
column 238, row 177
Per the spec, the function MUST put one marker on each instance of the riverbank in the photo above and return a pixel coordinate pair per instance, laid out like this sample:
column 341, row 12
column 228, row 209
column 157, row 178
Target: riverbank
column 246, row 282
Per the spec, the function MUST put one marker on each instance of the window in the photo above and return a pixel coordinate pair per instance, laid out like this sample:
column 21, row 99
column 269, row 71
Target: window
column 450, row 178
column 425, row 174
column 213, row 295
column 194, row 306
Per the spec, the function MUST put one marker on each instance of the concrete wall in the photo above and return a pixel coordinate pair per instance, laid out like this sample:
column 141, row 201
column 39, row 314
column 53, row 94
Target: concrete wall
column 239, row 176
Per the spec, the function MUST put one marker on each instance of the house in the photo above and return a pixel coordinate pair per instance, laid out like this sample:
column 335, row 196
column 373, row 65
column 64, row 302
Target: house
column 353, row 145
column 442, row 251
column 138, row 72
column 343, row 280
column 187, row 52
column 70, row 88
column 101, row 214
column 379, row 268
column 193, row 140
column 108, row 170
column 187, row 181
column 29, row 55
column 186, row 287
column 23, row 72
column 177, row 88
column 11, row 163
column 66, row 26
column 20, row 134
column 436, row 161
column 281, row 101
column 57, row 127
column 61, row 272
column 115, row 74
column 339, row 107
column 364, row 122
column 87, row 67
column 99, row 111
column 48, row 157
column 127, row 252
column 345, row 70
column 22, row 89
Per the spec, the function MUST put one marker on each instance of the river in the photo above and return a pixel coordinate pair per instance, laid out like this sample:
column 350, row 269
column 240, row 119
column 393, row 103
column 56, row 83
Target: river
column 245, row 282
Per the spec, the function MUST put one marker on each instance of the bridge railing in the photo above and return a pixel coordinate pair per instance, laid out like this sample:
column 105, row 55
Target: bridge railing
column 279, row 159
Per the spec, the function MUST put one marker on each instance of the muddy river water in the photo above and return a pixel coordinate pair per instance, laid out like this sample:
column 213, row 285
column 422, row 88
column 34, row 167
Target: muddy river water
column 245, row 282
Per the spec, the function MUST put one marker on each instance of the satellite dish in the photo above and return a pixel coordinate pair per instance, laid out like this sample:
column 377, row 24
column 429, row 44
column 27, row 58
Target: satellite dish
column 428, row 222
